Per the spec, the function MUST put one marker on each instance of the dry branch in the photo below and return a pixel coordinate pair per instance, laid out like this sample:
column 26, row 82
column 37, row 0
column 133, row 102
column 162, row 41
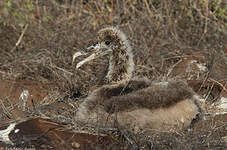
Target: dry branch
column 20, row 38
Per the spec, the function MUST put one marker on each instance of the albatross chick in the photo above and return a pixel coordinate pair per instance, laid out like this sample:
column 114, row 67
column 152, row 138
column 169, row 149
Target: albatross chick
column 133, row 103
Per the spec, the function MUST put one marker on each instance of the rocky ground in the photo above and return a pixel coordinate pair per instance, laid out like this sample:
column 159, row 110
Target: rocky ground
column 40, row 89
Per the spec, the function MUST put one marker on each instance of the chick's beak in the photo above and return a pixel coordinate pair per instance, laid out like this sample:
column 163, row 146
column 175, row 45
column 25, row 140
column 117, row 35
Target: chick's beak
column 77, row 54
column 93, row 52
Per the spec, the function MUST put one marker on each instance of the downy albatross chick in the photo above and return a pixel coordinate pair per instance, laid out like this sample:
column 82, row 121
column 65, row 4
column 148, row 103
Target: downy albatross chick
column 134, row 103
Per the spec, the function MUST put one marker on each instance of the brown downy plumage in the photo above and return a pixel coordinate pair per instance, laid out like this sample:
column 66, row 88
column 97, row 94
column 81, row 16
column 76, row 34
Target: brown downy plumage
column 134, row 103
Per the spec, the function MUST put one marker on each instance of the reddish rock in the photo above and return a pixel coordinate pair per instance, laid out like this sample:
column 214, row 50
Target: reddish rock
column 43, row 133
column 13, row 89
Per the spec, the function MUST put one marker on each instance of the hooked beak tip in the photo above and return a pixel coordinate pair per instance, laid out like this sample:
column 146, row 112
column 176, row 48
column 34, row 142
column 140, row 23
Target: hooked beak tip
column 78, row 66
column 77, row 54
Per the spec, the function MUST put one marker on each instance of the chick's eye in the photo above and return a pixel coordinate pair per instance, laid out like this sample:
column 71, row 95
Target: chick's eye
column 95, row 43
column 107, row 42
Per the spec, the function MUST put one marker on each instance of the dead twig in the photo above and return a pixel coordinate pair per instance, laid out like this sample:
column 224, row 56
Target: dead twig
column 148, row 8
column 65, row 71
column 223, row 86
column 20, row 38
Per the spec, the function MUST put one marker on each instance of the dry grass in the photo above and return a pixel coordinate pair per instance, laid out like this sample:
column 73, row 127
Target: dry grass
column 38, row 39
